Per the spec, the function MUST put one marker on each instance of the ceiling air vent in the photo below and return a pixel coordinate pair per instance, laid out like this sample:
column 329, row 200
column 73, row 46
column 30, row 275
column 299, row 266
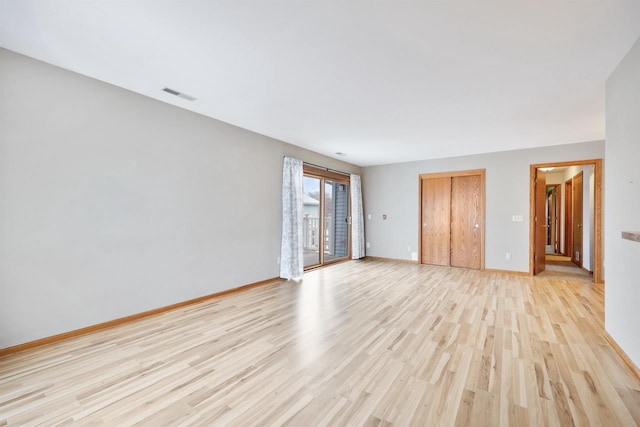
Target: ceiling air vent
column 179, row 94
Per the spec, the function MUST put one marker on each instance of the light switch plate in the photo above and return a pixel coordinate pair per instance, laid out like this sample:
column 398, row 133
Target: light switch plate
column 517, row 218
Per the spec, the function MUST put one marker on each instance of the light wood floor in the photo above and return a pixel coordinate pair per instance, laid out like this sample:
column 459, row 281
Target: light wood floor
column 359, row 343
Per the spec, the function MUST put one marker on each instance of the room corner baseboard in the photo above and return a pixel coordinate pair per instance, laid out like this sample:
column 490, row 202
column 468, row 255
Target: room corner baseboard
column 622, row 354
column 111, row 323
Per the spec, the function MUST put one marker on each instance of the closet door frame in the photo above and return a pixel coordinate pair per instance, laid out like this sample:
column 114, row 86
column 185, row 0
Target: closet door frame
column 452, row 174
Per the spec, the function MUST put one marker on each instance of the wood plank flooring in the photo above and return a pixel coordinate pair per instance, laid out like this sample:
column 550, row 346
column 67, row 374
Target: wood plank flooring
column 358, row 343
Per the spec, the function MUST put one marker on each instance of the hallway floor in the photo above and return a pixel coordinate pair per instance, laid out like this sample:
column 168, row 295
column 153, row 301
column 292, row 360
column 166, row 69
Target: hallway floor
column 561, row 267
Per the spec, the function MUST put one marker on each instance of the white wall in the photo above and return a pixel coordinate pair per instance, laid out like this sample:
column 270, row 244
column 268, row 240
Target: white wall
column 587, row 217
column 393, row 190
column 113, row 203
column 622, row 204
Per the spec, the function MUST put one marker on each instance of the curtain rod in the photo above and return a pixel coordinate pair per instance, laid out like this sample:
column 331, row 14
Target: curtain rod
column 325, row 168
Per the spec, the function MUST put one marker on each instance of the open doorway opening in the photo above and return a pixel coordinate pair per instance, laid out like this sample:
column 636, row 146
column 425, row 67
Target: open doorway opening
column 566, row 218
column 553, row 207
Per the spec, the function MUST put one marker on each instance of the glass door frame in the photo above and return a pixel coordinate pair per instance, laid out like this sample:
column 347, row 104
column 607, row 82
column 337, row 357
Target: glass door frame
column 326, row 175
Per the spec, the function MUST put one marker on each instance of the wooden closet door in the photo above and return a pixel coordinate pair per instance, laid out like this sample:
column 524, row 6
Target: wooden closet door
column 436, row 209
column 466, row 217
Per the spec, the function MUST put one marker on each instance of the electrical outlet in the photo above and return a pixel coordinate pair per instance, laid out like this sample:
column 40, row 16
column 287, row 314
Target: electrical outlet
column 508, row 256
column 368, row 245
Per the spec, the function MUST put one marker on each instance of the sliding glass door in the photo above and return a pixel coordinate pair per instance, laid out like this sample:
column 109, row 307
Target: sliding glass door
column 336, row 220
column 311, row 221
column 326, row 222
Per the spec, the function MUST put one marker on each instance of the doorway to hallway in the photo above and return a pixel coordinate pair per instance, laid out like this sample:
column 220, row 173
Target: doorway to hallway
column 568, row 224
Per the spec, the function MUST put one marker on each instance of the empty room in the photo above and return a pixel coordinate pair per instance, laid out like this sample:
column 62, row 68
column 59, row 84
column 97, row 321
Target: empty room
column 411, row 213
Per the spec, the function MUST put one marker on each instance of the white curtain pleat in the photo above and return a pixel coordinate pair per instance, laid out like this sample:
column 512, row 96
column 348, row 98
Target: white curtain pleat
column 291, row 255
column 357, row 219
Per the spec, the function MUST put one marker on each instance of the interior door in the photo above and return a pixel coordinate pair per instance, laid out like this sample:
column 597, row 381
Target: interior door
column 436, row 210
column 568, row 218
column 576, row 254
column 540, row 230
column 554, row 217
column 466, row 218
column 552, row 220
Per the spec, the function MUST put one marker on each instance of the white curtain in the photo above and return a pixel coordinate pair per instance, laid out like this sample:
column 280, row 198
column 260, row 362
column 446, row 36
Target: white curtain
column 357, row 217
column 291, row 256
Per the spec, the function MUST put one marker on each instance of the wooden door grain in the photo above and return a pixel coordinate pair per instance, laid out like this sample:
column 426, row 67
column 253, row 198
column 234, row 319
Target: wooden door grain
column 576, row 253
column 436, row 209
column 466, row 221
column 540, row 221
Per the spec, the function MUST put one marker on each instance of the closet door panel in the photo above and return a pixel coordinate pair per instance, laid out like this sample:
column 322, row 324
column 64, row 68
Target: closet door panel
column 436, row 210
column 466, row 217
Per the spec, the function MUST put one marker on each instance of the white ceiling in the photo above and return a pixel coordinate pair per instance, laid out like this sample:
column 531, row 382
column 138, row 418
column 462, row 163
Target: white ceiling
column 382, row 81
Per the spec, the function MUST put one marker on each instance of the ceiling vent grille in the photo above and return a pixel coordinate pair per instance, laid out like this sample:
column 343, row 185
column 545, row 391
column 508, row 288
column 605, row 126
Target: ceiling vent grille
column 179, row 94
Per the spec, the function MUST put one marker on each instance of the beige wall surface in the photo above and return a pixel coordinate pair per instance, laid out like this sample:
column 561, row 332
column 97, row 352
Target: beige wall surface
column 112, row 203
column 622, row 204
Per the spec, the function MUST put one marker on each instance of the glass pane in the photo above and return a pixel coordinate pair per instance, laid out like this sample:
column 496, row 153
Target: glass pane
column 336, row 220
column 311, row 220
